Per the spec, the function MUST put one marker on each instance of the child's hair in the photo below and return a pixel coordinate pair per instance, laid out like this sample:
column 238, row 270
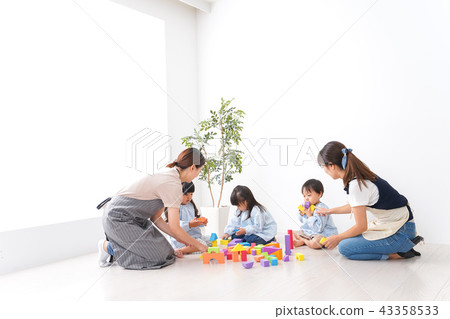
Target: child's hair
column 333, row 153
column 241, row 194
column 188, row 157
column 187, row 188
column 313, row 184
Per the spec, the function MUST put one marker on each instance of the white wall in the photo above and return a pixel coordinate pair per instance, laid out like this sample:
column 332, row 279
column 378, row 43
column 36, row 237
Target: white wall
column 71, row 95
column 307, row 70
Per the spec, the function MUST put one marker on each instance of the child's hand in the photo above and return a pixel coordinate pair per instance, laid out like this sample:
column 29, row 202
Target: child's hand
column 308, row 212
column 178, row 253
column 241, row 231
column 225, row 236
column 332, row 241
column 323, row 211
column 195, row 223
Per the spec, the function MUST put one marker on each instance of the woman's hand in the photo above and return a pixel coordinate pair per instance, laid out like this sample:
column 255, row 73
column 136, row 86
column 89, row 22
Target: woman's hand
column 202, row 248
column 332, row 241
column 225, row 236
column 323, row 211
column 241, row 231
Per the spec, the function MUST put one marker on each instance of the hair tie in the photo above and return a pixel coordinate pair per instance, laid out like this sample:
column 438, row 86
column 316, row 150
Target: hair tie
column 344, row 158
column 176, row 163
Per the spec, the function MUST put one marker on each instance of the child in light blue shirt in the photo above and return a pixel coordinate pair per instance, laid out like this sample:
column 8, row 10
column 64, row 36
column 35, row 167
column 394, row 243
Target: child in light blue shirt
column 189, row 221
column 313, row 227
column 251, row 222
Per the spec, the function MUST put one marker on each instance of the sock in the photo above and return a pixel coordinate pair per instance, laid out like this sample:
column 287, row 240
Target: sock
column 103, row 256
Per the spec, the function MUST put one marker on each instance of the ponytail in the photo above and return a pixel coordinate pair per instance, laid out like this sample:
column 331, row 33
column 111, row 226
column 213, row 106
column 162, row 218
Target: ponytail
column 187, row 158
column 336, row 153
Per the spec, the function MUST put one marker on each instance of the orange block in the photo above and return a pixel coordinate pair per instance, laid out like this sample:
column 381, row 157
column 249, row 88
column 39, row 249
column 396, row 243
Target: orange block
column 235, row 256
column 273, row 244
column 278, row 254
column 217, row 256
column 258, row 257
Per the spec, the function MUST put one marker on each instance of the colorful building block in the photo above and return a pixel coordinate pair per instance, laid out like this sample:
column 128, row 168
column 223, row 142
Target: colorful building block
column 247, row 265
column 274, row 262
column 254, row 252
column 258, row 257
column 238, row 247
column 217, row 256
column 246, row 244
column 274, row 244
column 278, row 253
column 299, row 256
column 265, row 263
column 213, row 237
column 213, row 249
column 214, row 243
column 235, row 256
column 266, row 255
column 253, row 244
column 224, row 242
column 201, row 219
column 287, row 244
column 243, row 256
column 286, row 258
column 258, row 251
column 269, row 250
column 233, row 242
column 291, row 238
column 229, row 256
column 322, row 240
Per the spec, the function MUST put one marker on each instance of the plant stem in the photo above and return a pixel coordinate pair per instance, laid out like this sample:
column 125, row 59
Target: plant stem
column 223, row 163
column 209, row 180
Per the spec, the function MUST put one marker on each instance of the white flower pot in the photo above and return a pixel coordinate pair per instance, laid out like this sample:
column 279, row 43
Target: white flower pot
column 217, row 219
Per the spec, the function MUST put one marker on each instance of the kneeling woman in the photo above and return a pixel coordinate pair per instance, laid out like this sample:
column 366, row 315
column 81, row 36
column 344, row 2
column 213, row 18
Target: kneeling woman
column 392, row 234
column 132, row 238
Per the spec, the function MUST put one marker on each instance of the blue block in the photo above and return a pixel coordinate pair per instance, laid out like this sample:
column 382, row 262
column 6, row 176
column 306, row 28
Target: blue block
column 274, row 262
column 213, row 237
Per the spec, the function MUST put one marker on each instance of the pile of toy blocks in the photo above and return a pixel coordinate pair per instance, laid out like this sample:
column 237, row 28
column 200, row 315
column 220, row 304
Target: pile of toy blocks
column 236, row 250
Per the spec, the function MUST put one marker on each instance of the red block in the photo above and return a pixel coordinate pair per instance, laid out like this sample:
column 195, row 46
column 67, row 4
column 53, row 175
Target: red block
column 243, row 256
column 292, row 238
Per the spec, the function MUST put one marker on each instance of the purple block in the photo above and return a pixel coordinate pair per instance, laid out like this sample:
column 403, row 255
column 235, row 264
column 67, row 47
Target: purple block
column 286, row 258
column 234, row 242
column 254, row 252
column 265, row 263
column 247, row 265
column 287, row 244
column 307, row 205
column 270, row 249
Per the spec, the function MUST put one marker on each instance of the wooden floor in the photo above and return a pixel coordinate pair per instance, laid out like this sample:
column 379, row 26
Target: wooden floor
column 324, row 275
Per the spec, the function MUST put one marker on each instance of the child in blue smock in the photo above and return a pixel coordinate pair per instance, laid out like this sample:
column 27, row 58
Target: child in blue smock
column 189, row 221
column 251, row 222
column 313, row 227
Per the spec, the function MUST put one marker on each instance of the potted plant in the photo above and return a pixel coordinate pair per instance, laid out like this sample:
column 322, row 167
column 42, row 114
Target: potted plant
column 223, row 127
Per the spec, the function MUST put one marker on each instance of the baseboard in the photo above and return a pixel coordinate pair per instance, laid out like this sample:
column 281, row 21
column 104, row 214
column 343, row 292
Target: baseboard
column 31, row 247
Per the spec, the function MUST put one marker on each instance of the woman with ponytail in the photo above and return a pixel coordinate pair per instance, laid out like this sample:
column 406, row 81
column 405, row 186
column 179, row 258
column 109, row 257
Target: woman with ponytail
column 392, row 234
column 131, row 215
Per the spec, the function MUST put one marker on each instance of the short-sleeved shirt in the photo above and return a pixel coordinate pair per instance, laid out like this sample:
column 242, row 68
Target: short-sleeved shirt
column 164, row 185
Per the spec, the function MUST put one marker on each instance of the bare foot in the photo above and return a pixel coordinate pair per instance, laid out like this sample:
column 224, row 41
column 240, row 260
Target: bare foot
column 178, row 253
column 298, row 243
column 394, row 256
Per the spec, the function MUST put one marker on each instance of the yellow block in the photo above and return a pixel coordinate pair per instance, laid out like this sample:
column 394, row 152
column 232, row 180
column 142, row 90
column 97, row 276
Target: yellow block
column 214, row 243
column 299, row 256
column 324, row 239
column 224, row 242
column 258, row 251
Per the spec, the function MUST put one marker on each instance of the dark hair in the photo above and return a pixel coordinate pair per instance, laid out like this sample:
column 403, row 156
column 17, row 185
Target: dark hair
column 241, row 194
column 187, row 188
column 313, row 184
column 187, row 158
column 332, row 153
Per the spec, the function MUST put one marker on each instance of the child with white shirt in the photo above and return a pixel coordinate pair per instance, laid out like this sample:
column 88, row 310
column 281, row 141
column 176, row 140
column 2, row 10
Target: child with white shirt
column 189, row 221
column 313, row 227
column 251, row 222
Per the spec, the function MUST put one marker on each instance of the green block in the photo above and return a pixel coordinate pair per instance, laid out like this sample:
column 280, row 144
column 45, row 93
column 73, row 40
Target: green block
column 259, row 247
column 213, row 249
column 266, row 255
column 272, row 257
